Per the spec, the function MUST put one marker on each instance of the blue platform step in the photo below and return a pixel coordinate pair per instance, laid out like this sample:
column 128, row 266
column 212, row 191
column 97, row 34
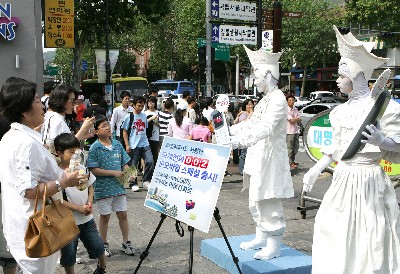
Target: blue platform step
column 291, row 261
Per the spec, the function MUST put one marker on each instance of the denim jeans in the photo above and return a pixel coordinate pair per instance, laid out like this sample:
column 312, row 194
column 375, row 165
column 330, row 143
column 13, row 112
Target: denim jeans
column 145, row 154
column 90, row 238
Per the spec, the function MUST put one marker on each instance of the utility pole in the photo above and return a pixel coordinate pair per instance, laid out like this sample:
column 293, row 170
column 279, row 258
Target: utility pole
column 259, row 25
column 277, row 39
column 108, row 69
column 208, row 48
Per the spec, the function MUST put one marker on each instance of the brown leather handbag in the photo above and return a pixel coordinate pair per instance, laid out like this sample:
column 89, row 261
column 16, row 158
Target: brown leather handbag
column 49, row 229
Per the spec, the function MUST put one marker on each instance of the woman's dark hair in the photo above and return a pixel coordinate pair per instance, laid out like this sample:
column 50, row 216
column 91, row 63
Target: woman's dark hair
column 209, row 101
column 59, row 96
column 179, row 114
column 99, row 119
column 203, row 104
column 190, row 100
column 65, row 141
column 4, row 125
column 124, row 94
column 151, row 99
column 95, row 98
column 16, row 97
column 204, row 121
column 103, row 104
column 169, row 103
column 231, row 107
column 245, row 102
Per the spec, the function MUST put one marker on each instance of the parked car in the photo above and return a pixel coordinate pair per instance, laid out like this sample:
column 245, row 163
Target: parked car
column 300, row 102
column 252, row 97
column 333, row 100
column 320, row 93
column 174, row 97
column 309, row 111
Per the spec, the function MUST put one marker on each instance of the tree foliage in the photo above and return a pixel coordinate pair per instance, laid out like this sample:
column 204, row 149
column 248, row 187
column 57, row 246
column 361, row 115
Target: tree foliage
column 310, row 41
column 123, row 16
column 382, row 16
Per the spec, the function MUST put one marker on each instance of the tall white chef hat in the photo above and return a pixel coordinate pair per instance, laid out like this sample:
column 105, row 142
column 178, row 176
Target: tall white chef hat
column 357, row 56
column 268, row 59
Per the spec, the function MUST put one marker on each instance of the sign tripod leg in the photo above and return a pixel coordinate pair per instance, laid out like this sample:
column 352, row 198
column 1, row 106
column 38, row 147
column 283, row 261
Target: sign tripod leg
column 218, row 219
column 191, row 231
column 145, row 253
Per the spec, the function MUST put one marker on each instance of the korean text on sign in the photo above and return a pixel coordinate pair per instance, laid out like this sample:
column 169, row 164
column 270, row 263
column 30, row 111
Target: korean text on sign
column 59, row 23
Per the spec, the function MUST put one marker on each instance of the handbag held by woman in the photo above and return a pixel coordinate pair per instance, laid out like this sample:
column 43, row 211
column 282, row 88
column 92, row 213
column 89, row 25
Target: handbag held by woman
column 49, row 229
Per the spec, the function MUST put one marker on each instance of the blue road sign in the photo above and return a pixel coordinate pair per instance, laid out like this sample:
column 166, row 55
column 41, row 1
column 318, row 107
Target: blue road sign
column 215, row 33
column 84, row 65
column 215, row 8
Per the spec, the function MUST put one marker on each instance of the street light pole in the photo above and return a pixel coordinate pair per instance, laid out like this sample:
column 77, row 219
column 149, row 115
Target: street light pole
column 108, row 69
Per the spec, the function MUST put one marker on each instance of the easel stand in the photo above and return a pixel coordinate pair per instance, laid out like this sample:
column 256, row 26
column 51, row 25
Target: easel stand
column 217, row 217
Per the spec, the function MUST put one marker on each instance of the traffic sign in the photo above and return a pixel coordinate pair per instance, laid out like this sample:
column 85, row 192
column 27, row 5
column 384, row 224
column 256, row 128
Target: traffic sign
column 233, row 10
column 222, row 51
column 234, row 34
column 51, row 70
column 59, row 24
column 84, row 65
column 293, row 14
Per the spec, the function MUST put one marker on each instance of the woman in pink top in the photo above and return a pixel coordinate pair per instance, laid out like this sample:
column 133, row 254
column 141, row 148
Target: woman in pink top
column 201, row 132
column 180, row 126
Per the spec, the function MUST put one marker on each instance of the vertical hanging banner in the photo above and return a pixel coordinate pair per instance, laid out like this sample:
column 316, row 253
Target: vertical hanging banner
column 59, row 24
column 101, row 62
column 187, row 180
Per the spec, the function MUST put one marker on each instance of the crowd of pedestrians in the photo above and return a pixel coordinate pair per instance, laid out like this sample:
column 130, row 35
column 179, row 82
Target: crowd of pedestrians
column 58, row 125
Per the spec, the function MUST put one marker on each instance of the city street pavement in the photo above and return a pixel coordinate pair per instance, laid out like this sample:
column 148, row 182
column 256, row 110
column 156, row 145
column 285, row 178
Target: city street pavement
column 169, row 252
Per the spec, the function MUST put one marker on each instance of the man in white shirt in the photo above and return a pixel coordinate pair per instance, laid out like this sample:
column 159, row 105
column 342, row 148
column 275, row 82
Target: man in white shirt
column 119, row 113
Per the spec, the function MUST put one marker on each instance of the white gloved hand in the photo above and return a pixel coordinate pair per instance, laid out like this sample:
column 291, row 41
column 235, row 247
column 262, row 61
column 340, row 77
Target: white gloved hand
column 229, row 141
column 375, row 136
column 311, row 176
column 309, row 179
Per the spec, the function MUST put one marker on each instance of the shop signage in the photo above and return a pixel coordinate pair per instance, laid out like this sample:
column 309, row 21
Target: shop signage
column 59, row 24
column 7, row 23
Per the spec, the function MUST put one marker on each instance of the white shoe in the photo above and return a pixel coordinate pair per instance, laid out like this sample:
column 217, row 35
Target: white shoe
column 258, row 242
column 272, row 250
column 135, row 188
column 146, row 184
column 78, row 260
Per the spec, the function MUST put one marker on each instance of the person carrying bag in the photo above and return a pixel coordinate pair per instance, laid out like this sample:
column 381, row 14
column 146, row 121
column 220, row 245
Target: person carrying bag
column 49, row 229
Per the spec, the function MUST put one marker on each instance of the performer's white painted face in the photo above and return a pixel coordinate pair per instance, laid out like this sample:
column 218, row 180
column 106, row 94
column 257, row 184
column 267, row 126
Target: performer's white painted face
column 344, row 84
column 259, row 77
column 263, row 78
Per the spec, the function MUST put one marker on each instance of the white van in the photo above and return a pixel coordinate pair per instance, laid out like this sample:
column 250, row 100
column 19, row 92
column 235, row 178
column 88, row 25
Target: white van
column 320, row 93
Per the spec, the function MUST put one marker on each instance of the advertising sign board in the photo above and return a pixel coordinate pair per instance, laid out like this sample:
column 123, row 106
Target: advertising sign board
column 186, row 181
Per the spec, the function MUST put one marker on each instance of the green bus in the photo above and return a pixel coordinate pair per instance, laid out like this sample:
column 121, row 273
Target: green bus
column 137, row 86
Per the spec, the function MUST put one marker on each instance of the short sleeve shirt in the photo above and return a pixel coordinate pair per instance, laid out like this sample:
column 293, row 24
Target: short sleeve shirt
column 138, row 137
column 78, row 197
column 104, row 158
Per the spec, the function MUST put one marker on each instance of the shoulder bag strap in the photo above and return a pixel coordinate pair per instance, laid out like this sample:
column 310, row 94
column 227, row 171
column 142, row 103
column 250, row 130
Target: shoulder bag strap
column 36, row 198
column 48, row 130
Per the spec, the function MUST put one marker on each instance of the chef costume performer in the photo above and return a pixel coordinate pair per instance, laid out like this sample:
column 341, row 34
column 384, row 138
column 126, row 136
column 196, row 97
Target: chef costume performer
column 357, row 225
column 266, row 170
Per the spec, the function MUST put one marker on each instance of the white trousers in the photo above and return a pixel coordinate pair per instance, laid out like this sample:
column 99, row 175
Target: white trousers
column 269, row 216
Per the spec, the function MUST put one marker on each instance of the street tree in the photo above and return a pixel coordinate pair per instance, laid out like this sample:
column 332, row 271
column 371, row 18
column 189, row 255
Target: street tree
column 309, row 42
column 382, row 16
column 90, row 18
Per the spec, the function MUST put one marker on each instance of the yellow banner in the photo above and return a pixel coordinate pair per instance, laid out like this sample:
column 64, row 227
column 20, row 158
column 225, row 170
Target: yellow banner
column 59, row 24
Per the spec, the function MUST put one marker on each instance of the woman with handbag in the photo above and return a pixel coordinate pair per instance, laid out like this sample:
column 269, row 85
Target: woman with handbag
column 27, row 168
